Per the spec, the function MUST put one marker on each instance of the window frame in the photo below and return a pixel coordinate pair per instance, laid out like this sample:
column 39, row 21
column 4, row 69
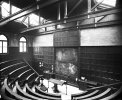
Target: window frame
column 23, row 42
column 3, row 53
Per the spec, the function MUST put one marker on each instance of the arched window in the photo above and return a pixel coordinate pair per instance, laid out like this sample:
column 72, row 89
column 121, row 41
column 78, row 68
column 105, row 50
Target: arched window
column 22, row 45
column 3, row 44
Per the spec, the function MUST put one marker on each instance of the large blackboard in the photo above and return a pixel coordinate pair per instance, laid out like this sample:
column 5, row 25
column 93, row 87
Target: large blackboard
column 66, row 61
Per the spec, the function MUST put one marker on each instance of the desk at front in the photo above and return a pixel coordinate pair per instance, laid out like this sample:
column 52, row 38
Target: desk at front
column 57, row 82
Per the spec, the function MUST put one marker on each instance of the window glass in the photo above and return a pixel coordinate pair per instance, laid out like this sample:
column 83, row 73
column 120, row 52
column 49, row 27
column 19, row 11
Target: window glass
column 26, row 21
column 4, row 47
column 33, row 18
column 107, row 3
column 23, row 39
column 0, row 46
column 5, row 9
column 2, row 37
column 23, row 47
column 15, row 9
column 3, row 44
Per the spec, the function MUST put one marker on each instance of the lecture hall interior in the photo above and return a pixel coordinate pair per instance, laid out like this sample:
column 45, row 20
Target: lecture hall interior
column 60, row 50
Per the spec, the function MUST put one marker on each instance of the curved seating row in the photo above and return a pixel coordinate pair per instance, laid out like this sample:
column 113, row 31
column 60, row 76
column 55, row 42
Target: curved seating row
column 9, row 64
column 12, row 69
column 18, row 81
column 96, row 93
column 42, row 95
column 10, row 93
column 116, row 95
column 15, row 76
column 24, row 95
column 106, row 92
column 40, row 91
column 20, row 91
column 93, row 94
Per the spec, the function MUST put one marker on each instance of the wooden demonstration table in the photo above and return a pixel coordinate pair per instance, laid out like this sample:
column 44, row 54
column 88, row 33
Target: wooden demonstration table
column 57, row 82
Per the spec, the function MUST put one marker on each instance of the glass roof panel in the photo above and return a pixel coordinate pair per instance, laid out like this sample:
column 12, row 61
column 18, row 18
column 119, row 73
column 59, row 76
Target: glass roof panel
column 34, row 19
column 108, row 2
column 15, row 9
column 5, row 9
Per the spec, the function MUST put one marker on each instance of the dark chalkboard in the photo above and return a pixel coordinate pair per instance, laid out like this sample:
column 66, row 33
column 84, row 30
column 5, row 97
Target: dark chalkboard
column 66, row 61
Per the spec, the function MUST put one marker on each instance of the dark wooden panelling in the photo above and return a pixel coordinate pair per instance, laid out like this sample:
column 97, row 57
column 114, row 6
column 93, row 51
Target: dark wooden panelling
column 44, row 55
column 67, row 39
column 101, row 64
column 13, row 53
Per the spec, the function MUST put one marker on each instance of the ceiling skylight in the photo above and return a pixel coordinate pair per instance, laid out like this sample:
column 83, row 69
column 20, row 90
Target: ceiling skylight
column 33, row 18
column 5, row 9
column 108, row 2
column 15, row 9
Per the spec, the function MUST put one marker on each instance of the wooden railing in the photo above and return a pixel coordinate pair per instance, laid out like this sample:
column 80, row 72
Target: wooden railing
column 104, row 92
column 105, row 86
column 31, row 67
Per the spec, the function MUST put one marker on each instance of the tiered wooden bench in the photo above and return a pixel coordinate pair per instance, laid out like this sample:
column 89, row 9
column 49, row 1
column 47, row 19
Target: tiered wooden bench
column 10, row 93
column 97, row 93
column 14, row 72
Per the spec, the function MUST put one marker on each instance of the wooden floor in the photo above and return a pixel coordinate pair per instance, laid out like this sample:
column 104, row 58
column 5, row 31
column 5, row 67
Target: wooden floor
column 62, row 90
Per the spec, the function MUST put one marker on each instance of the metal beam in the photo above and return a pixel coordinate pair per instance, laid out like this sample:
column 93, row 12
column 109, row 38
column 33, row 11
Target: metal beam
column 77, row 18
column 119, row 3
column 59, row 12
column 28, row 21
column 65, row 9
column 95, row 6
column 76, row 5
column 26, row 11
column 39, row 18
column 0, row 11
column 89, row 6
column 24, row 18
column 101, row 18
column 10, row 7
